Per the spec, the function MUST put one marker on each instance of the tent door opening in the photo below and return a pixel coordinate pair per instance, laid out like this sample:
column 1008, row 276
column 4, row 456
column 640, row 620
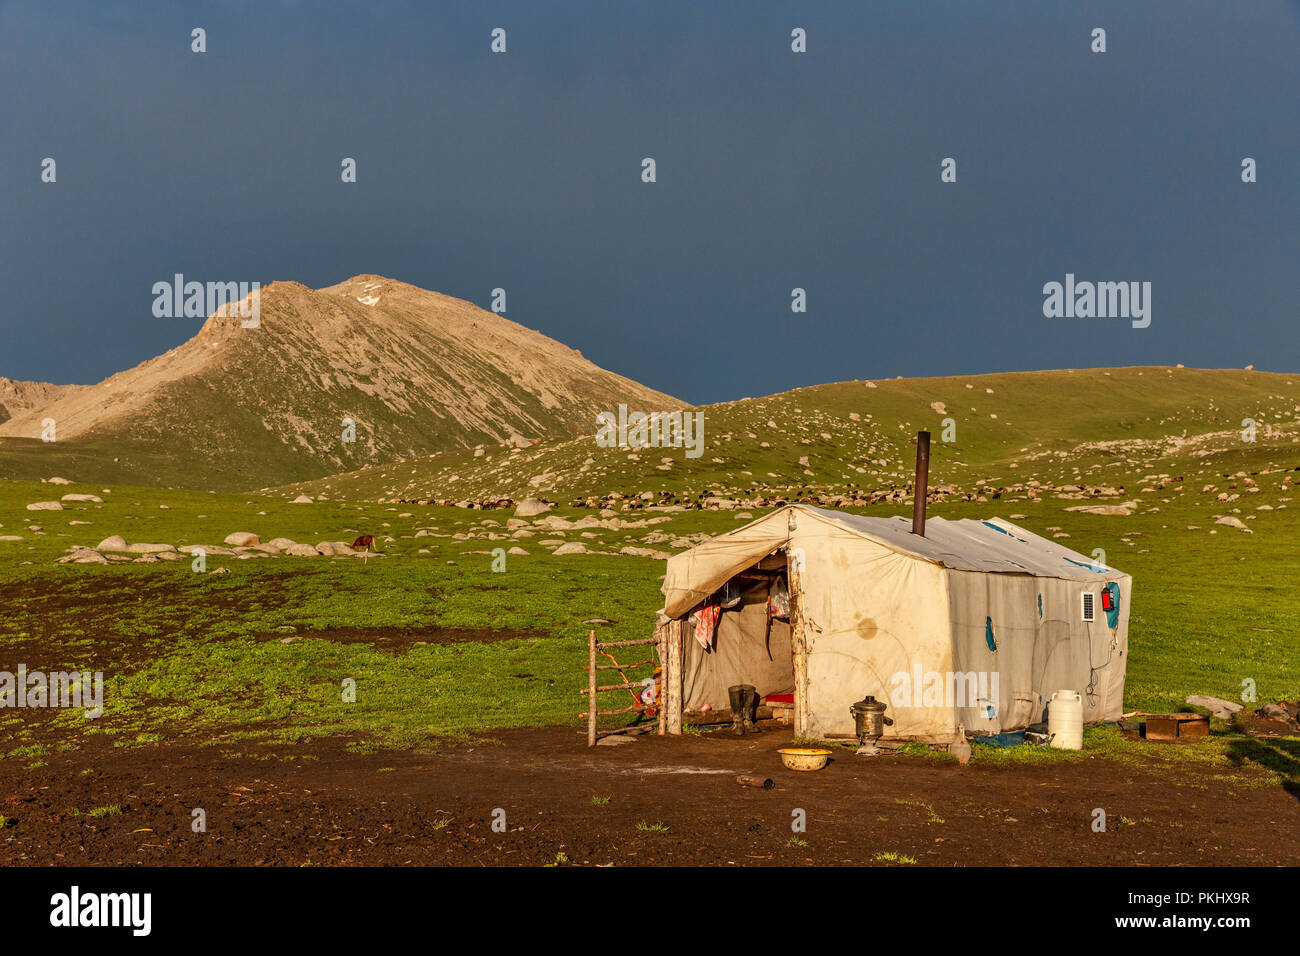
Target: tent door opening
column 750, row 644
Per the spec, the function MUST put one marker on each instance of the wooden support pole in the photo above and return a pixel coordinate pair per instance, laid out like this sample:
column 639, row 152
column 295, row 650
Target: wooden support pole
column 673, row 683
column 799, row 648
column 591, row 689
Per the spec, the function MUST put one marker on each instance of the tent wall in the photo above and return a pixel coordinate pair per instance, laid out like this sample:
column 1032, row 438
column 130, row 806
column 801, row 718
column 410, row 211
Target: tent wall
column 743, row 652
column 1036, row 655
column 870, row 614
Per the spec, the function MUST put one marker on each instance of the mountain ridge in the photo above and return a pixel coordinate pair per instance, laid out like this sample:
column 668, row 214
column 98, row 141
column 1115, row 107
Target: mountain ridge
column 415, row 371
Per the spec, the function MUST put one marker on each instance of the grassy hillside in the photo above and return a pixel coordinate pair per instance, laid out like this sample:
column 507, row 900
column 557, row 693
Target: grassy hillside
column 1107, row 427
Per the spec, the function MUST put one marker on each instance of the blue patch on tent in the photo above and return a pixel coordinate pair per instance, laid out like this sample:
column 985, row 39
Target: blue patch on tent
column 1100, row 569
column 1112, row 613
column 988, row 634
column 989, row 524
column 1040, row 607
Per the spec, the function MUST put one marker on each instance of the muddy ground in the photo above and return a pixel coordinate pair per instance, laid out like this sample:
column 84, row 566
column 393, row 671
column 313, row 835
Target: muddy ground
column 669, row 801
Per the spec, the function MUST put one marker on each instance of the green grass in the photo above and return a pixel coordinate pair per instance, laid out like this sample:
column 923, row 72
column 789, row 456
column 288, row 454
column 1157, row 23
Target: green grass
column 931, row 816
column 110, row 811
column 892, row 857
column 199, row 656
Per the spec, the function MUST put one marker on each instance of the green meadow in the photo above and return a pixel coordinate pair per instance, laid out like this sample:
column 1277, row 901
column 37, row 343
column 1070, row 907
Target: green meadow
column 262, row 654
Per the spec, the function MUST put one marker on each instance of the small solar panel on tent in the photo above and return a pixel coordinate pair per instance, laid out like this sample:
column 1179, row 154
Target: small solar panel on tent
column 1089, row 609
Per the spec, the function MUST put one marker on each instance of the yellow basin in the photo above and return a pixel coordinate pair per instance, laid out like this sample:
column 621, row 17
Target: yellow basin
column 804, row 758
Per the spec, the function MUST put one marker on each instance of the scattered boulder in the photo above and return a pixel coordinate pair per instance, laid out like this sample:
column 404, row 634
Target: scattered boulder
column 58, row 481
column 45, row 506
column 282, row 543
column 571, row 547
column 333, row 547
column 615, row 740
column 114, row 542
column 1217, row 706
column 93, row 499
column 302, row 500
column 1272, row 720
column 207, row 549
column 1232, row 522
column 530, row 507
column 140, row 547
column 301, row 551
column 242, row 539
column 83, row 556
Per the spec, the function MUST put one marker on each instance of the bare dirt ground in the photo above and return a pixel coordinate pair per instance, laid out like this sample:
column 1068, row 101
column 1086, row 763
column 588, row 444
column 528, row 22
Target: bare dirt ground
column 669, row 801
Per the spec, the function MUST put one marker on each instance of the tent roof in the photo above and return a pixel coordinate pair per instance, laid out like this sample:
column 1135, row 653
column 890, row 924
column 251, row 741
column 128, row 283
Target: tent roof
column 993, row 546
column 966, row 544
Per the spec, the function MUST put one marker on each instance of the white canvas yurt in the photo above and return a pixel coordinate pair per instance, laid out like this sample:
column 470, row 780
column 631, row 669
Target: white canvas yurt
column 972, row 623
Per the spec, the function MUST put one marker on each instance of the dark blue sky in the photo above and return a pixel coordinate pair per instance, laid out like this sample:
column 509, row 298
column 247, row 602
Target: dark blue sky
column 775, row 170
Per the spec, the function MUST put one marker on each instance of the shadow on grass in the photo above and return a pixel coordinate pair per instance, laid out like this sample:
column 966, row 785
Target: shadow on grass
column 1278, row 755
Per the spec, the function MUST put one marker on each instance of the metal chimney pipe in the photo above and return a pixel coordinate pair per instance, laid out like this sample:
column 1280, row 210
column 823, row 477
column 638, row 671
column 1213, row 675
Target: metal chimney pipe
column 921, row 486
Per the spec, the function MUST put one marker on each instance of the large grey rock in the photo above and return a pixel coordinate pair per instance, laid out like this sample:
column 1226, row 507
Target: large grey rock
column 83, row 556
column 93, row 499
column 45, row 506
column 301, row 551
column 1215, row 705
column 333, row 547
column 530, row 507
column 207, row 549
column 242, row 539
column 572, row 547
column 114, row 542
column 140, row 547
